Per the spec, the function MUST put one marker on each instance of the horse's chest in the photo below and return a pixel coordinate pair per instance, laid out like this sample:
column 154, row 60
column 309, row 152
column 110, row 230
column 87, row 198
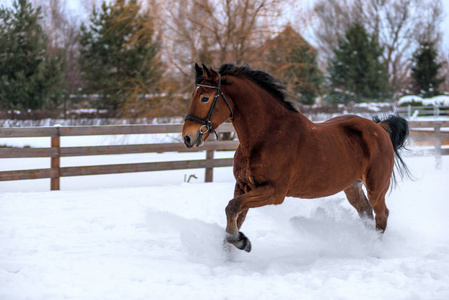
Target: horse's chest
column 249, row 174
column 246, row 179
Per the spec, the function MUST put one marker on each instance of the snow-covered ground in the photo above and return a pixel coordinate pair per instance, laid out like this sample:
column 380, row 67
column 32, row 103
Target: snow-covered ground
column 441, row 100
column 129, row 237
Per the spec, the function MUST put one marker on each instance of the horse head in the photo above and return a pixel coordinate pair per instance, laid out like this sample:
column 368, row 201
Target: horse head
column 206, row 111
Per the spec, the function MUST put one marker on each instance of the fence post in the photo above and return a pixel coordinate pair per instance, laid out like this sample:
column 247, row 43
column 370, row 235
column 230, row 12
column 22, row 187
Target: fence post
column 55, row 160
column 209, row 175
column 437, row 143
column 436, row 111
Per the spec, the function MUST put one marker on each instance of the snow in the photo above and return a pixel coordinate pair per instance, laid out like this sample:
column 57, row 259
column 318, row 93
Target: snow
column 114, row 239
column 442, row 100
column 94, row 140
column 409, row 99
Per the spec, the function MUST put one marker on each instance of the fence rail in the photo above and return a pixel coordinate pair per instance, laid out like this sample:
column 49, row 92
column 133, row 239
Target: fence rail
column 55, row 152
column 411, row 111
column 427, row 133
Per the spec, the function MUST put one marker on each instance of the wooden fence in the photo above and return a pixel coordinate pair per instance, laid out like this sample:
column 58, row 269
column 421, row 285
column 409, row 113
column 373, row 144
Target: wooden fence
column 423, row 133
column 55, row 152
column 431, row 133
column 423, row 111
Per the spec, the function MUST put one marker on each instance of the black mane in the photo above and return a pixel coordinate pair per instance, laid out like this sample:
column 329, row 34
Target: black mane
column 273, row 85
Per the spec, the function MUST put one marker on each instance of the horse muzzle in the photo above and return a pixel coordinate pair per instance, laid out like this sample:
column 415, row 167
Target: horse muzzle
column 194, row 141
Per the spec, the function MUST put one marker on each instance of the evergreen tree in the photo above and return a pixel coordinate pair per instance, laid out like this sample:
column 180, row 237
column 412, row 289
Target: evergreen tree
column 293, row 60
column 307, row 74
column 356, row 72
column 29, row 77
column 119, row 55
column 425, row 70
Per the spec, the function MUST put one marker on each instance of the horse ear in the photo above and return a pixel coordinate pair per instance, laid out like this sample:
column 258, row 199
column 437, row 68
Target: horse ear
column 198, row 74
column 206, row 72
column 198, row 70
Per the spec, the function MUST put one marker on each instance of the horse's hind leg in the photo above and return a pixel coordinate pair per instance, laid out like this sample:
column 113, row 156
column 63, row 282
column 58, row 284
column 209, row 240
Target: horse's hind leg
column 377, row 200
column 377, row 183
column 357, row 198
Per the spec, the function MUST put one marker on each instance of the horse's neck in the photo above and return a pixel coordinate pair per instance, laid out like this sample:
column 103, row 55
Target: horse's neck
column 256, row 113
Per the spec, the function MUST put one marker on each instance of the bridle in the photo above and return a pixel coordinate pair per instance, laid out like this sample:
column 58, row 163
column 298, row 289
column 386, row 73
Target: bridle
column 206, row 121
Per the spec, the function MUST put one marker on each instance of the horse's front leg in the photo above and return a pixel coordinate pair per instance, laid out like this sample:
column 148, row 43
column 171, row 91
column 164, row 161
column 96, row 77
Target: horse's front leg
column 239, row 190
column 260, row 196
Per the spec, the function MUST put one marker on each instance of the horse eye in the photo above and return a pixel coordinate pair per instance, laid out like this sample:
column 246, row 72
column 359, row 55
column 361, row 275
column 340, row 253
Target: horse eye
column 204, row 99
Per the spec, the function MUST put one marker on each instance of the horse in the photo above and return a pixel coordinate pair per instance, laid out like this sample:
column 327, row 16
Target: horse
column 282, row 153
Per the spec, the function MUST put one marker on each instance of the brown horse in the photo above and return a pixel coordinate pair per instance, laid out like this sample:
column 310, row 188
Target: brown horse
column 282, row 153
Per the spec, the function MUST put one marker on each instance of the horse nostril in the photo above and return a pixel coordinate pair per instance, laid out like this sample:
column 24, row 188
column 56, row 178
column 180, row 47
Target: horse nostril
column 187, row 140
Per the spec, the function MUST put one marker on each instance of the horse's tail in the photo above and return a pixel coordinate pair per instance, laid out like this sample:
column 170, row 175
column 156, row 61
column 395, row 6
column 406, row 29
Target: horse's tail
column 398, row 129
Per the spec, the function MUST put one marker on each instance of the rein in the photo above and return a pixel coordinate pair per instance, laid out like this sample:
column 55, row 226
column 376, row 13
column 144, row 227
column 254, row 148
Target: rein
column 206, row 121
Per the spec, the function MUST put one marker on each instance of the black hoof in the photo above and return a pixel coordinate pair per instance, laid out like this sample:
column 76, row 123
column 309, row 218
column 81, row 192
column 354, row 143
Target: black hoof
column 241, row 242
column 244, row 243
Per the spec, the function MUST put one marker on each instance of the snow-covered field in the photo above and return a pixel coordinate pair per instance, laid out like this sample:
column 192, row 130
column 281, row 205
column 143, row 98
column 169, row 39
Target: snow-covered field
column 151, row 236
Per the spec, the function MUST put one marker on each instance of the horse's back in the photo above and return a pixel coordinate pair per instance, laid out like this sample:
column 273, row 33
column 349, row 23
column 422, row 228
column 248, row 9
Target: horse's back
column 368, row 130
column 352, row 121
column 342, row 118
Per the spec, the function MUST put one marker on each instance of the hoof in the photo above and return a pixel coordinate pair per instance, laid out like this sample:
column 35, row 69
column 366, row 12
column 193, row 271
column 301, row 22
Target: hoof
column 240, row 241
column 243, row 243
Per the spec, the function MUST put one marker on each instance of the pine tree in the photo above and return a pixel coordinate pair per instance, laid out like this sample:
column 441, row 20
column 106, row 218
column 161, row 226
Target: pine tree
column 425, row 70
column 29, row 77
column 293, row 60
column 307, row 74
column 119, row 55
column 356, row 72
